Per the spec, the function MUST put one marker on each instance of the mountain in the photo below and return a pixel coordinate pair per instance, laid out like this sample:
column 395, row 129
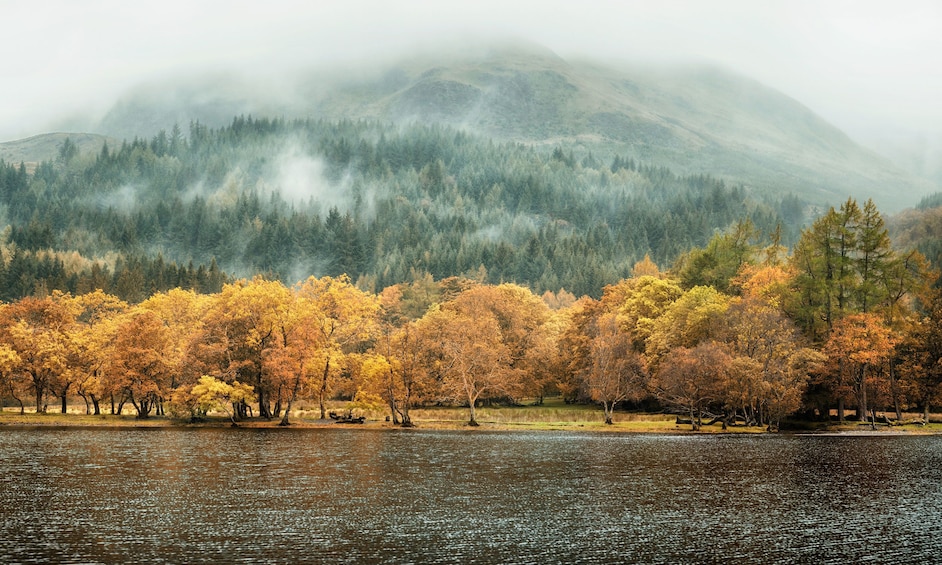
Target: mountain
column 691, row 119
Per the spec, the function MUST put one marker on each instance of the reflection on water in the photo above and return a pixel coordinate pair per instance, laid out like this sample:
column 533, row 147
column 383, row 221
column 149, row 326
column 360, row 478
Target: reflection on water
column 290, row 496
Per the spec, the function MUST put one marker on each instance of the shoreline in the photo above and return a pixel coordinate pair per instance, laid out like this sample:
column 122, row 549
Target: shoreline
column 633, row 423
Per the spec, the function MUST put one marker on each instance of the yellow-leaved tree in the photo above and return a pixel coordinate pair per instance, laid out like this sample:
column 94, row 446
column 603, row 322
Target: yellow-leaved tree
column 342, row 318
column 182, row 312
column 211, row 394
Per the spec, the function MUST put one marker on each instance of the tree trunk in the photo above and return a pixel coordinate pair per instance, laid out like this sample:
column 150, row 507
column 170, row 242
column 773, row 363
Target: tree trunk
column 391, row 398
column 264, row 409
column 895, row 388
column 840, row 410
column 95, row 404
column 925, row 412
column 608, row 408
column 239, row 411
column 65, row 406
column 404, row 407
column 473, row 421
column 323, row 391
column 284, row 420
column 862, row 396
column 23, row 408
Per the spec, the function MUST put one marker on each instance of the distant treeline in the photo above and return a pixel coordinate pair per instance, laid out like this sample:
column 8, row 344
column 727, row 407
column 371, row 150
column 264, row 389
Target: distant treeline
column 291, row 199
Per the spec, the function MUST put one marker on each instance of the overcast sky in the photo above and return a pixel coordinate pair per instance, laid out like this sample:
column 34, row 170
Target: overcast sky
column 864, row 65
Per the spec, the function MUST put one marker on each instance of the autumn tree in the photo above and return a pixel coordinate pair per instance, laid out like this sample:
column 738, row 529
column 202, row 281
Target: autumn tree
column 522, row 327
column 615, row 372
column 574, row 347
column 138, row 364
column 645, row 268
column 545, row 366
column 38, row 331
column 768, row 283
column 400, row 371
column 691, row 319
column 468, row 356
column 919, row 357
column 639, row 302
column 770, row 364
column 688, row 379
column 343, row 319
column 212, row 394
column 97, row 315
column 11, row 381
column 857, row 351
column 325, row 321
column 241, row 324
column 183, row 313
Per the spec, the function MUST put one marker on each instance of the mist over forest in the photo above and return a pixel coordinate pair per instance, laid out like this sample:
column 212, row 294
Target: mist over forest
column 380, row 203
column 505, row 164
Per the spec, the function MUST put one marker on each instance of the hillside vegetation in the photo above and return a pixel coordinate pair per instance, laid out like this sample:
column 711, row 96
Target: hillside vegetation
column 381, row 203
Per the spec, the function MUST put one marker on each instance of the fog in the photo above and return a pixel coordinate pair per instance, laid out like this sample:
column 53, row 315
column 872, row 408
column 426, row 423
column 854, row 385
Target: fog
column 866, row 66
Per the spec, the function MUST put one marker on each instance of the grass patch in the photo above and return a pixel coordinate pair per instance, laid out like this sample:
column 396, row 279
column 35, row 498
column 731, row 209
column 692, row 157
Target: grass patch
column 552, row 415
column 14, row 418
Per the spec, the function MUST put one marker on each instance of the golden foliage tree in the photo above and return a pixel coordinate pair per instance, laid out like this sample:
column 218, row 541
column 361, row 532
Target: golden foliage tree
column 468, row 356
column 343, row 318
column 241, row 324
column 38, row 331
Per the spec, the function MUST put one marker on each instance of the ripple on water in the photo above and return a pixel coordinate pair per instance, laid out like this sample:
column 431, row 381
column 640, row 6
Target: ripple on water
column 168, row 496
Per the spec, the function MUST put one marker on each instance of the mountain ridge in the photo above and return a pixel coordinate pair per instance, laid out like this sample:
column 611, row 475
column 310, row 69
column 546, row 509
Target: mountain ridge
column 693, row 119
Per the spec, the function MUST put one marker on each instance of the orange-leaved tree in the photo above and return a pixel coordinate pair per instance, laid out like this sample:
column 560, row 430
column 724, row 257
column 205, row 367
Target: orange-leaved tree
column 183, row 313
column 690, row 379
column 467, row 355
column 97, row 314
column 857, row 351
column 138, row 364
column 615, row 371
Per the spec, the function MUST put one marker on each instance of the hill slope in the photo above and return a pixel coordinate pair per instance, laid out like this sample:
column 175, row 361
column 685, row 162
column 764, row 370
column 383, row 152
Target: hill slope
column 691, row 119
column 45, row 147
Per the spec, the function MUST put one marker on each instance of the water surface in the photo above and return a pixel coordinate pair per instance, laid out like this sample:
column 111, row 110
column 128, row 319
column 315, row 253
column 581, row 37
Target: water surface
column 362, row 496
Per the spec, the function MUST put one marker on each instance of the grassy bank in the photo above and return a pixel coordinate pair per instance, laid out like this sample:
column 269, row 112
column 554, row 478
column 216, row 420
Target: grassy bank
column 552, row 415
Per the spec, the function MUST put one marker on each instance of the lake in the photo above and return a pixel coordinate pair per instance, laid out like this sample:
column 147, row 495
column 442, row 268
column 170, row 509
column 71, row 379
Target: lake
column 80, row 495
